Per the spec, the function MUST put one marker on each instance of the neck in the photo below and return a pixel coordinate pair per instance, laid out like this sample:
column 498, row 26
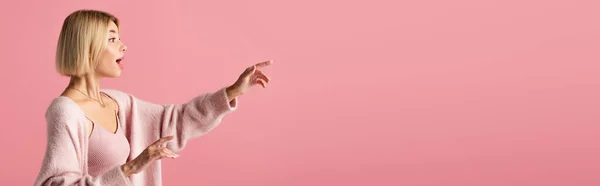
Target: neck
column 88, row 84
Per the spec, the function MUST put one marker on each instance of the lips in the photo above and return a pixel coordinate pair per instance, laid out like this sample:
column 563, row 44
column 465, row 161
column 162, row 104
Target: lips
column 119, row 62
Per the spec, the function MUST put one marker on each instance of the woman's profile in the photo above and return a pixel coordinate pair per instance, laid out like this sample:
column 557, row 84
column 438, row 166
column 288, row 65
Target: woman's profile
column 107, row 137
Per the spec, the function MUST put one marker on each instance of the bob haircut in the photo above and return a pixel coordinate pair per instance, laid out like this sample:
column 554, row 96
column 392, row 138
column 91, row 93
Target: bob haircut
column 82, row 39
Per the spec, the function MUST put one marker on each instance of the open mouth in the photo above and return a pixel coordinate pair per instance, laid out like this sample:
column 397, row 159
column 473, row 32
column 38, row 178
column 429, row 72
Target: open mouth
column 119, row 60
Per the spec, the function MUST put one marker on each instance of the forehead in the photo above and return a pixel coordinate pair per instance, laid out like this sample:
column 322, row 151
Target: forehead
column 112, row 28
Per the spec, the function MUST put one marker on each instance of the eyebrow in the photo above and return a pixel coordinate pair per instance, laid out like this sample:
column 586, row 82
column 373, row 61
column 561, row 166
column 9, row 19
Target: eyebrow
column 112, row 31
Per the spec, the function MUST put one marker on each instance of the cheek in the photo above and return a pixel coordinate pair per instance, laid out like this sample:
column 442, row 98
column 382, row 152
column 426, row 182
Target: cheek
column 105, row 60
column 109, row 55
column 112, row 51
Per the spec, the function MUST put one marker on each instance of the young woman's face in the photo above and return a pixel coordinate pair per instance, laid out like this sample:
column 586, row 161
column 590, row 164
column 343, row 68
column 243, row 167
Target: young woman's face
column 110, row 61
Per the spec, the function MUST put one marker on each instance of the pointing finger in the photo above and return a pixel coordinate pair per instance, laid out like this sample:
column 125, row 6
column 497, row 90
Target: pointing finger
column 264, row 64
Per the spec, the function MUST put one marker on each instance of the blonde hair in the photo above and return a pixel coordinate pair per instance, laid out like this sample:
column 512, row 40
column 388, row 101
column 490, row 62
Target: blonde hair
column 81, row 41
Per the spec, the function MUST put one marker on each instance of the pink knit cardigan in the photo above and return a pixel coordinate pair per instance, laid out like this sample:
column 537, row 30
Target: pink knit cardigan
column 66, row 155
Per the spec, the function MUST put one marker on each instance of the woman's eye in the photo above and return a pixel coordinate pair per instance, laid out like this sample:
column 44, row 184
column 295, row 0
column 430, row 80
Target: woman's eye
column 111, row 39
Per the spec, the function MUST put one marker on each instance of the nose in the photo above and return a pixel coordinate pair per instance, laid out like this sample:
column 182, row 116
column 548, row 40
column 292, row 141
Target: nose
column 124, row 48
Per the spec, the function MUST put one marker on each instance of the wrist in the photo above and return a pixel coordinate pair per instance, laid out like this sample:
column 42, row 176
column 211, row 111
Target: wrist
column 232, row 92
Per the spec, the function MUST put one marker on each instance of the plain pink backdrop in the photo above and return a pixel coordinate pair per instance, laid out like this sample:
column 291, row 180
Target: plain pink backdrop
column 411, row 93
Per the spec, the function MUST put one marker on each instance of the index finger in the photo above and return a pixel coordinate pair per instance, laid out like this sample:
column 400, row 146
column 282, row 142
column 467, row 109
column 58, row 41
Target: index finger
column 264, row 64
column 162, row 140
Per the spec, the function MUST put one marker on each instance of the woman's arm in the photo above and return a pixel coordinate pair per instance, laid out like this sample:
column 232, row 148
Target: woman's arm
column 184, row 121
column 194, row 118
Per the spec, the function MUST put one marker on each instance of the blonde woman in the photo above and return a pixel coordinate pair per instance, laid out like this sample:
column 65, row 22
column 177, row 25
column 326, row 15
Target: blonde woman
column 107, row 137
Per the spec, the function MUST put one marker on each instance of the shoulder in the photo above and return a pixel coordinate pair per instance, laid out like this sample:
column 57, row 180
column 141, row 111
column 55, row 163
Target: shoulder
column 62, row 112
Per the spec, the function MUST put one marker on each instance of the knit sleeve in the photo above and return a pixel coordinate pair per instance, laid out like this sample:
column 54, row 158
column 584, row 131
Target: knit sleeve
column 63, row 162
column 184, row 121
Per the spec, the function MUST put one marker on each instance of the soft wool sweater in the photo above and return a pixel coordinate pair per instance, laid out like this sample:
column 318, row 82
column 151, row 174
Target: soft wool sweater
column 66, row 157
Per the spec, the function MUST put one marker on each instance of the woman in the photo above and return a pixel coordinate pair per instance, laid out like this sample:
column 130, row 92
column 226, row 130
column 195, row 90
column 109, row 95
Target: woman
column 107, row 137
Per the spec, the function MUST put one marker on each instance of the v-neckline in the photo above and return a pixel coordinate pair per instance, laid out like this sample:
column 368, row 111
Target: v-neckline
column 118, row 123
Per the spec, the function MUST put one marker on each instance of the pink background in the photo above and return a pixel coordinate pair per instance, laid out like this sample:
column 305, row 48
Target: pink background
column 427, row 93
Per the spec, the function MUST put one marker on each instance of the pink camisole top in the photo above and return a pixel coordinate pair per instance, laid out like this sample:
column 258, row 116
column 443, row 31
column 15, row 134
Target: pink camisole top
column 106, row 149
